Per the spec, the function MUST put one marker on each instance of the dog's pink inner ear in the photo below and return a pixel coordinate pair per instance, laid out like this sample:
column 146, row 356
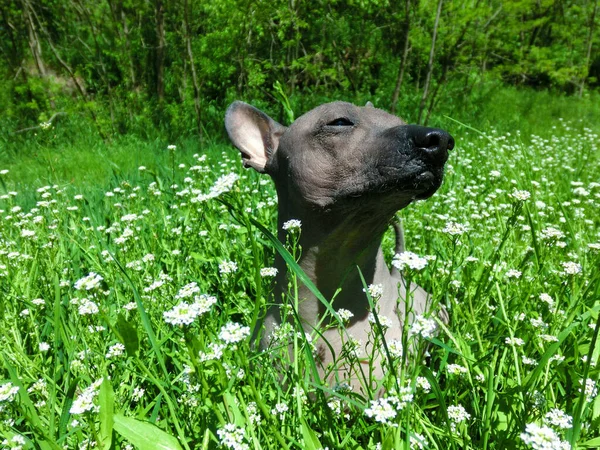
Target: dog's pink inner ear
column 254, row 133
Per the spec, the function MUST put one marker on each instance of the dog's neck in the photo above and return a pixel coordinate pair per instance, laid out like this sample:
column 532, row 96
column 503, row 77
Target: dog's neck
column 334, row 253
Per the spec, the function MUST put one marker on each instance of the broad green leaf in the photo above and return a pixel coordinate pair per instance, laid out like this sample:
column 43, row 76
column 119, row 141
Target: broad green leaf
column 144, row 435
column 592, row 443
column 311, row 442
column 128, row 335
column 106, row 400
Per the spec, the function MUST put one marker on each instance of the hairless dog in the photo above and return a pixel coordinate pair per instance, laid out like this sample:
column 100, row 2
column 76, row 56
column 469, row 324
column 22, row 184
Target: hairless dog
column 343, row 171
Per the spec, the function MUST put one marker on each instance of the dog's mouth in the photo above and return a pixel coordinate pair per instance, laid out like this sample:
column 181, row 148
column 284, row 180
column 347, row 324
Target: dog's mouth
column 415, row 182
column 429, row 183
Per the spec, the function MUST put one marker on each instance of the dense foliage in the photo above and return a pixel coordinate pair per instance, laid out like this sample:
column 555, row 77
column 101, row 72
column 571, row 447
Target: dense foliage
column 134, row 65
column 127, row 306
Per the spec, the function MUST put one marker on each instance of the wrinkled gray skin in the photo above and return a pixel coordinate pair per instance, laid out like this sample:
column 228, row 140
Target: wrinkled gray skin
column 344, row 171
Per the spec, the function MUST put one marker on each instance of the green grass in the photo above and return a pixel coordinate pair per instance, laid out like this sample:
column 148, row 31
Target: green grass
column 158, row 389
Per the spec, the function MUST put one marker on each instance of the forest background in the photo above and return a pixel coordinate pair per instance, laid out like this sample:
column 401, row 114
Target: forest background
column 120, row 199
column 156, row 68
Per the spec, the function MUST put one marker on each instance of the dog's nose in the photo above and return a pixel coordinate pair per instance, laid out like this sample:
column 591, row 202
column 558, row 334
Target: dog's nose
column 434, row 141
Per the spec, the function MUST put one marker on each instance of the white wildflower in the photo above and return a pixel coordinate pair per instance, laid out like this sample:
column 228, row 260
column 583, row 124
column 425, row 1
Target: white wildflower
column 187, row 291
column 418, row 441
column 292, row 225
column 232, row 333
column 344, row 314
column 423, row 383
column 89, row 282
column 591, row 390
column 456, row 369
column 87, row 307
column 231, row 436
column 185, row 313
column 547, row 299
column 423, row 326
column 375, row 290
column 85, row 401
column 410, row 259
column 521, row 195
column 27, row 233
column 226, row 267
column 268, row 272
column 559, row 419
column 514, row 341
column 381, row 410
column 214, row 352
column 384, row 321
column 528, row 361
column 458, row 414
column 551, row 233
column 571, row 268
column 280, row 409
column 454, row 229
column 395, row 348
column 542, row 438
column 512, row 273
column 115, row 350
column 8, row 392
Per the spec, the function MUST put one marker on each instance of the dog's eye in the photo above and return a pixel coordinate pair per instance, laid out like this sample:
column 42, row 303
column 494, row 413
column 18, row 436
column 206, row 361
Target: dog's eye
column 341, row 122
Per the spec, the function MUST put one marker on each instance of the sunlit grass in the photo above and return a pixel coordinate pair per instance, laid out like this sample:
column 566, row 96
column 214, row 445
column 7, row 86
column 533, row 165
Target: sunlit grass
column 160, row 334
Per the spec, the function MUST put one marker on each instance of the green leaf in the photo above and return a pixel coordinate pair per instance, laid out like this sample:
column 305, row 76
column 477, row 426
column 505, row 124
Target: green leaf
column 592, row 443
column 65, row 414
column 596, row 408
column 106, row 400
column 389, row 440
column 128, row 335
column 144, row 435
column 311, row 442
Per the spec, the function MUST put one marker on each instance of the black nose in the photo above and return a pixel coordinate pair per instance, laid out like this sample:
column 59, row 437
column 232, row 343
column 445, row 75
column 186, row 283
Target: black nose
column 434, row 141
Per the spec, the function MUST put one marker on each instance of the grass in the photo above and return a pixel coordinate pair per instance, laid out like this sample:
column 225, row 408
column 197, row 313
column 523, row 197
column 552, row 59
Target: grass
column 94, row 364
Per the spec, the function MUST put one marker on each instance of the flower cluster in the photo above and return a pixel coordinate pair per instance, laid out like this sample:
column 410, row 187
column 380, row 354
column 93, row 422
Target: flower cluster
column 232, row 437
column 232, row 333
column 543, row 438
column 89, row 282
column 8, row 392
column 85, row 401
column 384, row 410
column 412, row 260
column 185, row 313
column 292, row 225
column 423, row 326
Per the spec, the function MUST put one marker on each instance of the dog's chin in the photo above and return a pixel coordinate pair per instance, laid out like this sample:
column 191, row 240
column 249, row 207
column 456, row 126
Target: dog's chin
column 426, row 184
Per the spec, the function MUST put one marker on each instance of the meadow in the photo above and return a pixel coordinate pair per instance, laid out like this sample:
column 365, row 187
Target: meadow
column 131, row 282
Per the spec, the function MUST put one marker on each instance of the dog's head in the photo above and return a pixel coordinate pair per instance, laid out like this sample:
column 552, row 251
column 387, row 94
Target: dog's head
column 338, row 154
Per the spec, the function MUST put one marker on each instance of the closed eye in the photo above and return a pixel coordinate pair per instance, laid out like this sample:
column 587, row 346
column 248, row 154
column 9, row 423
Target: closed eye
column 340, row 122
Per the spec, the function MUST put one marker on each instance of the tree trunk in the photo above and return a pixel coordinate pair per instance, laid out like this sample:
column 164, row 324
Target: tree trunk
column 160, row 50
column 63, row 63
column 34, row 41
column 588, row 55
column 404, row 59
column 126, row 32
column 188, row 42
column 86, row 15
column 430, row 63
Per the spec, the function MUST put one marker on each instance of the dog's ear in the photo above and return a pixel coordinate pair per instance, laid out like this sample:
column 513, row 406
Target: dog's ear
column 370, row 105
column 254, row 133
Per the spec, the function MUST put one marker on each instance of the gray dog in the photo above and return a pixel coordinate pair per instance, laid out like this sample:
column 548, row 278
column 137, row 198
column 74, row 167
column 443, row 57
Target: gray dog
column 343, row 171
